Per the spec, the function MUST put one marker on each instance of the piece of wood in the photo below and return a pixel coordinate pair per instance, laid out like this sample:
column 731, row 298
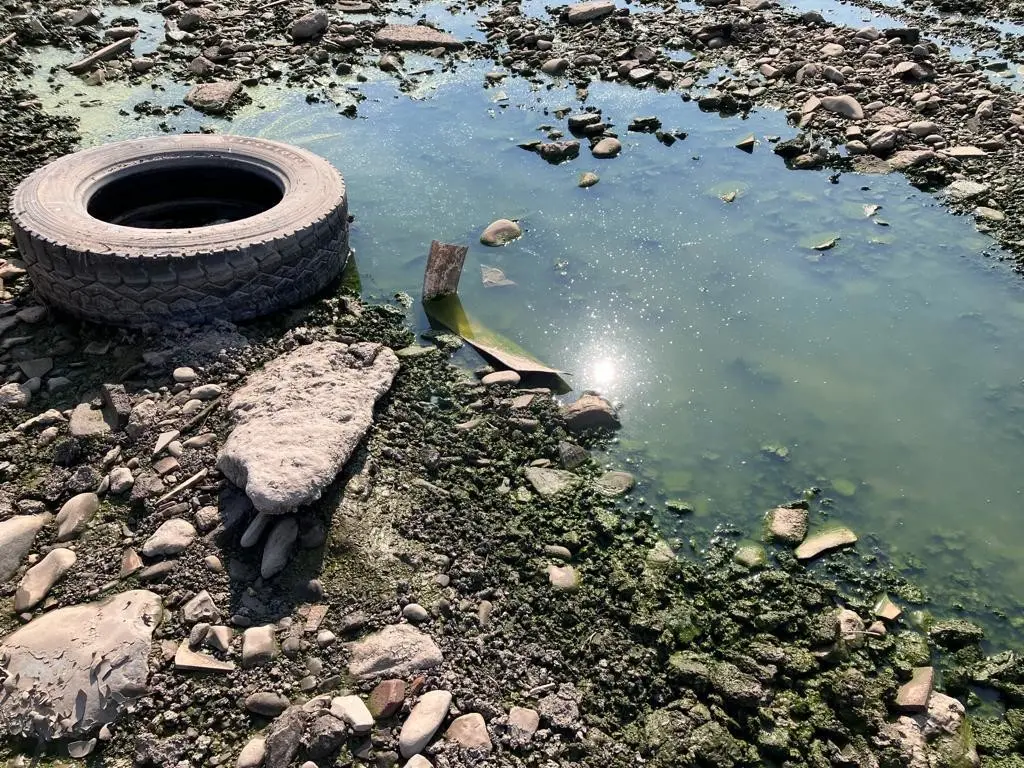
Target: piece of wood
column 444, row 268
column 116, row 48
column 200, row 475
column 8, row 39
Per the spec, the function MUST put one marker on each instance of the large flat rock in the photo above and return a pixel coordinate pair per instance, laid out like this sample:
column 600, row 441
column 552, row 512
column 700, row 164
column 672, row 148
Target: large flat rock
column 414, row 36
column 299, row 419
column 74, row 669
column 397, row 650
column 583, row 12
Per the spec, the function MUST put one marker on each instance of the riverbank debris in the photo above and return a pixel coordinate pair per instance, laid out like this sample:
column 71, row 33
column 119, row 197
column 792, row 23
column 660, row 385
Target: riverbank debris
column 444, row 269
column 449, row 312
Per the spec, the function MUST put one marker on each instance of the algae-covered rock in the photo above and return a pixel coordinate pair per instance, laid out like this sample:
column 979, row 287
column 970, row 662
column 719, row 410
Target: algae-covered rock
column 955, row 633
column 751, row 555
column 912, row 649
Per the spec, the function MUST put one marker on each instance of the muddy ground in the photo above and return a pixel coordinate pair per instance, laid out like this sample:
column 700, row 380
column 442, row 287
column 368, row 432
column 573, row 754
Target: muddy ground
column 667, row 653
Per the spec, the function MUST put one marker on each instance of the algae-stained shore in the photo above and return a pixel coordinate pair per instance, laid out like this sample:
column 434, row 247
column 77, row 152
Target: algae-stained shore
column 564, row 628
column 476, row 588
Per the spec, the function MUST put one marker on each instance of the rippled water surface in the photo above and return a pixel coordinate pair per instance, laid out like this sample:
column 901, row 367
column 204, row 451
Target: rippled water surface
column 886, row 370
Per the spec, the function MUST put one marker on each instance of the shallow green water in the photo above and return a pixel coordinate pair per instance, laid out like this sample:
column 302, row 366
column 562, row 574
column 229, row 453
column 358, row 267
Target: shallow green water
column 889, row 366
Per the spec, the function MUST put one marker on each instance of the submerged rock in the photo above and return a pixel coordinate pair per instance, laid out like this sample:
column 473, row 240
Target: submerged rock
column 956, row 633
column 74, row 669
column 299, row 419
column 615, row 483
column 591, row 411
column 501, row 232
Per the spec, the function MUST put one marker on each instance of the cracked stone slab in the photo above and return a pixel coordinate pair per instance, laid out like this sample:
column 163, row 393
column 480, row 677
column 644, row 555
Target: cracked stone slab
column 397, row 650
column 299, row 419
column 74, row 669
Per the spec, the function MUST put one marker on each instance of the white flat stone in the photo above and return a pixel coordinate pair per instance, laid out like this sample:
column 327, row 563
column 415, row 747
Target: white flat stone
column 252, row 754
column 423, row 722
column 189, row 660
column 353, row 711
column 259, row 646
column 470, row 732
column 397, row 650
column 75, row 515
column 548, row 482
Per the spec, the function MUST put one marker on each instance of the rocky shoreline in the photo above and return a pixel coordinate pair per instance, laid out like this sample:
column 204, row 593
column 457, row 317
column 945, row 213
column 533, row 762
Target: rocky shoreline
column 866, row 100
column 475, row 588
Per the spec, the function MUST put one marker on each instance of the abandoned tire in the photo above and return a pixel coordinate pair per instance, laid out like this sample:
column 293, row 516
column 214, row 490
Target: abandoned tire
column 182, row 229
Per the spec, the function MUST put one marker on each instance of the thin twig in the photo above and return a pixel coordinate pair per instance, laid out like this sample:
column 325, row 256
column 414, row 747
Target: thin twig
column 182, row 487
column 8, row 39
column 200, row 417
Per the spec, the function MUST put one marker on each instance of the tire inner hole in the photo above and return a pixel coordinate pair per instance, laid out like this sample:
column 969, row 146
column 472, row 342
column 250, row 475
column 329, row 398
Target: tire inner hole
column 184, row 196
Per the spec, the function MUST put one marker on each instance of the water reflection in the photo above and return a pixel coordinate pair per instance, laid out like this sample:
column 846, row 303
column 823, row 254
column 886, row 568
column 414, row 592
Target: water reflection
column 884, row 370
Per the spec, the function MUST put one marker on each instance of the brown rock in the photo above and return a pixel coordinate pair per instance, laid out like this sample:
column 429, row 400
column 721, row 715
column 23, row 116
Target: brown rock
column 590, row 412
column 386, row 699
column 913, row 695
column 470, row 732
column 414, row 36
column 583, row 12
column 788, row 524
column 887, row 609
column 212, row 97
column 523, row 719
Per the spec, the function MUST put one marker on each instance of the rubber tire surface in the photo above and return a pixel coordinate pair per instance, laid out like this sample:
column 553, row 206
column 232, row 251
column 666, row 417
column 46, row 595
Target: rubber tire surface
column 234, row 271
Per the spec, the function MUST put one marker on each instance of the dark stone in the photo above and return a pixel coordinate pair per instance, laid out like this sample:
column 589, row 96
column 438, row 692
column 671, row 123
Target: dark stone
column 906, row 35
column 117, row 405
column 956, row 633
column 559, row 151
column 83, row 479
column 285, row 737
column 645, row 124
column 792, row 148
column 326, row 735
column 571, row 455
column 67, row 452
